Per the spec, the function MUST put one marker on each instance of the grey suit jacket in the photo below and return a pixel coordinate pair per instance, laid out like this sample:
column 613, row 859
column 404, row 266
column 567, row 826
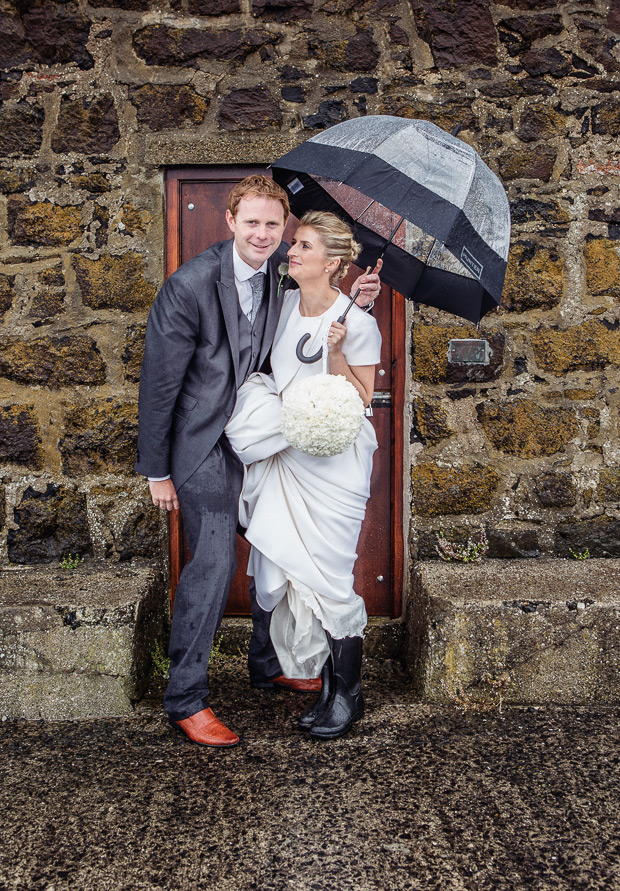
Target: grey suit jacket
column 190, row 372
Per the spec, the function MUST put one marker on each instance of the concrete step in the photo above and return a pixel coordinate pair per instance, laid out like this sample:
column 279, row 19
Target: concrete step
column 78, row 643
column 528, row 631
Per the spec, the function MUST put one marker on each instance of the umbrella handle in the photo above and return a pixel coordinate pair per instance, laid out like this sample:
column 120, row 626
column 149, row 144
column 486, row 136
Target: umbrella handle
column 299, row 350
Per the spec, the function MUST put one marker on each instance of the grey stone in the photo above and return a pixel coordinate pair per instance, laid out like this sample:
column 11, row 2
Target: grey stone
column 77, row 644
column 534, row 632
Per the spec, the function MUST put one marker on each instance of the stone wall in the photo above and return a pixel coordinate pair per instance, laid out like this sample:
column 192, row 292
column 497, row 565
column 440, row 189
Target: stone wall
column 97, row 97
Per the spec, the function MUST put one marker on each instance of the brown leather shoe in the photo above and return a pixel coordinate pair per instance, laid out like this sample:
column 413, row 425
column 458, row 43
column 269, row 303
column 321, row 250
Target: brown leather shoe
column 298, row 685
column 204, row 729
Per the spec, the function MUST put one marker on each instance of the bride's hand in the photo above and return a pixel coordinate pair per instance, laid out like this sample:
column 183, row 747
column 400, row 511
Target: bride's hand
column 335, row 338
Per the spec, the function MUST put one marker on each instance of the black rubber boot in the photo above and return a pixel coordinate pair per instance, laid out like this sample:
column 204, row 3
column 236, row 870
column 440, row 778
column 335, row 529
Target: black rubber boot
column 347, row 703
column 314, row 712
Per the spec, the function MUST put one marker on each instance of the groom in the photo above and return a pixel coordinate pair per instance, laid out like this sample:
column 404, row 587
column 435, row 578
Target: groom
column 211, row 325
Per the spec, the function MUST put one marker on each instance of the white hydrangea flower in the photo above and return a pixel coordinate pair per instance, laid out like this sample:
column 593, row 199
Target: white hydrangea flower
column 322, row 415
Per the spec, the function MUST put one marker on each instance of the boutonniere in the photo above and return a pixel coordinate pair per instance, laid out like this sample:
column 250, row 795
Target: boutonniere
column 283, row 273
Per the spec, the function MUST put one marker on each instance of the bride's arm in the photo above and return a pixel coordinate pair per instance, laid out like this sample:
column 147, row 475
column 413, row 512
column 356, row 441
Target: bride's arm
column 361, row 376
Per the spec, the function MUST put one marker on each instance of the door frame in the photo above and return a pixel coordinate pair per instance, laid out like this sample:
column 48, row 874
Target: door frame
column 174, row 177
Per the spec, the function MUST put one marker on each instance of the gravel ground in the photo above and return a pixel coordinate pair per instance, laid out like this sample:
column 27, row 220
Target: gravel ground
column 415, row 797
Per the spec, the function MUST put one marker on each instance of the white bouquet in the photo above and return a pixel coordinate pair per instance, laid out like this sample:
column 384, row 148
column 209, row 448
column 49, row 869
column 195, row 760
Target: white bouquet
column 322, row 415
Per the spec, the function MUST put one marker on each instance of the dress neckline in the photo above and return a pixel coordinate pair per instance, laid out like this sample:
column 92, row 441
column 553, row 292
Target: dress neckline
column 309, row 318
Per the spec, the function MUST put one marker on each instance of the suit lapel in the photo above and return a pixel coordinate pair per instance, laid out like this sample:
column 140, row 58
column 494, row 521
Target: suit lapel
column 229, row 300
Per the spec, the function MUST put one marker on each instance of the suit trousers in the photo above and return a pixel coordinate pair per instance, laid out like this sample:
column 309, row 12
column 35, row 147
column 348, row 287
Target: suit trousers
column 209, row 502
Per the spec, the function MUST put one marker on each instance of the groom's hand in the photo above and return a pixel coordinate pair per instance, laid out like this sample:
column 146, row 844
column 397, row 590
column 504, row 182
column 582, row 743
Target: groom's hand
column 369, row 285
column 164, row 494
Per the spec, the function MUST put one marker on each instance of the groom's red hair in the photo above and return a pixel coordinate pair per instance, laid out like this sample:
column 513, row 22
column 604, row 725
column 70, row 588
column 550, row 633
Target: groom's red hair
column 260, row 185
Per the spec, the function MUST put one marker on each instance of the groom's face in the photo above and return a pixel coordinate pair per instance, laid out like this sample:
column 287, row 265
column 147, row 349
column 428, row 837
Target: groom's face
column 257, row 227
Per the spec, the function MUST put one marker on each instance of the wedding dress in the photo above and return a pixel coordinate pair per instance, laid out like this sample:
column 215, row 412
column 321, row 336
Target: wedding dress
column 303, row 514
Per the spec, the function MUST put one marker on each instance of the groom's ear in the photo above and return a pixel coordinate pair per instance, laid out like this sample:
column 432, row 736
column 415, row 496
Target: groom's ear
column 231, row 221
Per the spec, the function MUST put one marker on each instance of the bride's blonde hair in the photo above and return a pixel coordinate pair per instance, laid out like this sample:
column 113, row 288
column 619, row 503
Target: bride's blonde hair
column 337, row 239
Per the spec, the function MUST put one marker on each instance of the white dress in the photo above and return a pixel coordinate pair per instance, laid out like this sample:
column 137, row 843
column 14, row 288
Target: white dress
column 303, row 514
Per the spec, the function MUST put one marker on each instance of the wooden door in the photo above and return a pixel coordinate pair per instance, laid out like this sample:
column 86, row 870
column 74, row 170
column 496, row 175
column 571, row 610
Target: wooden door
column 195, row 207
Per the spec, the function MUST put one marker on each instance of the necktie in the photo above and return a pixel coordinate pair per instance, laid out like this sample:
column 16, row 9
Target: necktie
column 258, row 286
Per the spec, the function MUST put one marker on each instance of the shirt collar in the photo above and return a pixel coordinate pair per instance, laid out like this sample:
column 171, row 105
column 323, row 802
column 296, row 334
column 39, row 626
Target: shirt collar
column 242, row 270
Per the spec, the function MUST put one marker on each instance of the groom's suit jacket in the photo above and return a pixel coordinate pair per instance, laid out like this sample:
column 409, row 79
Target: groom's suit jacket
column 190, row 373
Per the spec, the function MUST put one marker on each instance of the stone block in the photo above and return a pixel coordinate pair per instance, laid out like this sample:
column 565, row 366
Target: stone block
column 42, row 223
column 457, row 33
column 21, row 129
column 546, row 61
column 541, row 122
column 134, row 220
column 441, row 491
column 602, row 261
column 57, row 361
column 583, row 347
column 6, row 294
column 446, row 114
column 20, row 436
column 293, row 94
column 94, row 183
column 609, row 484
column 542, row 631
column 99, row 438
column 44, row 33
column 357, row 53
column 77, row 644
column 89, row 126
column 213, row 7
column 282, row 10
column 528, row 210
column 527, row 162
column 430, row 422
column 17, row 179
column 114, row 282
column 133, row 5
column 511, row 544
column 518, row 32
column 526, row 429
column 606, row 118
column 49, row 525
column 534, row 278
column 140, row 535
column 48, row 298
column 430, row 355
column 134, row 352
column 555, row 489
column 503, row 544
column 330, row 112
column 599, row 536
column 530, row 4
column 188, row 47
column 160, row 106
column 250, row 108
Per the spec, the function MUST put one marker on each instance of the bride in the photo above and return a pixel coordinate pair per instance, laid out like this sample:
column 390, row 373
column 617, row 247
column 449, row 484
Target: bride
column 304, row 513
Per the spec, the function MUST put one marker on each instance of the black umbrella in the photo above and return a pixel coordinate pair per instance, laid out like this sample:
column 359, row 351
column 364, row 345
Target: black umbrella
column 416, row 195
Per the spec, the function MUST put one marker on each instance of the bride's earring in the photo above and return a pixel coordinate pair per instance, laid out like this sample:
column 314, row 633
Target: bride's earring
column 326, row 269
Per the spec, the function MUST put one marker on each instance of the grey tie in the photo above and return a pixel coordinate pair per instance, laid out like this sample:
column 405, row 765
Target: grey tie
column 258, row 286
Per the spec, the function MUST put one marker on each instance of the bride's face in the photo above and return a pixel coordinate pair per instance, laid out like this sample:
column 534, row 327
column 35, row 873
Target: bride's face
column 307, row 260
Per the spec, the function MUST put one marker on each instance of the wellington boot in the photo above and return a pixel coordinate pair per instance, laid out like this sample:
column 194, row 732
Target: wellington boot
column 314, row 712
column 346, row 704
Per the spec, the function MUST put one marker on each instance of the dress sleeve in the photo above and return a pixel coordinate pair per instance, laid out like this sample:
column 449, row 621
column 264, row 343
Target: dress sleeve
column 362, row 345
